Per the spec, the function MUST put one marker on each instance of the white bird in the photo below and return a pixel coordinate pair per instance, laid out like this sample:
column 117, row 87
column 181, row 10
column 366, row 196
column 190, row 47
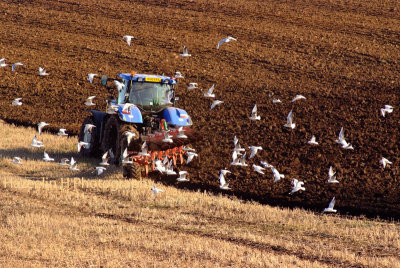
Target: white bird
column 242, row 160
column 185, row 52
column 120, row 86
column 235, row 159
column 88, row 128
column 209, row 93
column 222, row 182
column 144, row 150
column 277, row 175
column 215, row 103
column 3, row 62
column 17, row 160
column 238, row 148
column 225, row 40
column 128, row 39
column 181, row 134
column 170, row 169
column 63, row 162
column 15, row 66
column 192, row 86
column 90, row 77
column 73, row 165
column 297, row 186
column 289, row 121
column 42, row 72
column 82, row 143
column 156, row 190
column 276, row 101
column 100, row 170
column 265, row 164
column 190, row 156
column 235, row 140
column 384, row 162
column 254, row 115
column 313, row 141
column 125, row 157
column 167, row 137
column 341, row 140
column 41, row 125
column 332, row 176
column 36, row 143
column 47, row 158
column 258, row 169
column 129, row 135
column 298, row 97
column 188, row 149
column 61, row 132
column 159, row 166
column 89, row 101
column 254, row 150
column 127, row 108
column 17, row 102
column 179, row 75
column 387, row 109
column 104, row 160
column 330, row 207
column 182, row 176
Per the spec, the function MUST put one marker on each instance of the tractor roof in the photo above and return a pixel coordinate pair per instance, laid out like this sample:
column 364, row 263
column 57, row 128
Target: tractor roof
column 148, row 78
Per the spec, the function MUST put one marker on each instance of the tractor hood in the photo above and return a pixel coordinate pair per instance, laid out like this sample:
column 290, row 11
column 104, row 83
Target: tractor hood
column 176, row 116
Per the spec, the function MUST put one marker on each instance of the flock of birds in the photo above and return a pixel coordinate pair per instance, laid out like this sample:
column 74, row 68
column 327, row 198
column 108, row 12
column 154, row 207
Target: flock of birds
column 165, row 166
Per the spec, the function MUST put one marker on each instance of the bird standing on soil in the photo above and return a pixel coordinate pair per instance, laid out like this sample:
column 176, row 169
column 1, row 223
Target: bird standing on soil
column 73, row 165
column 47, row 158
column 222, row 182
column 215, row 103
column 192, row 86
column 330, row 207
column 61, row 132
column 185, row 52
column 3, row 62
column 42, row 72
column 313, row 141
column 388, row 109
column 297, row 186
column 17, row 102
column 182, row 176
column 128, row 39
column 254, row 115
column 63, row 162
column 289, row 121
column 15, row 66
column 89, row 101
column 17, row 160
column 298, row 97
column 90, row 77
column 225, row 40
column 179, row 75
column 41, row 125
column 384, row 162
column 36, row 143
column 332, row 176
column 156, row 190
column 209, row 93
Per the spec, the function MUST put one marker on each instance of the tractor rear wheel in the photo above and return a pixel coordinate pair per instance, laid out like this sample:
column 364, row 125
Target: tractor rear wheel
column 111, row 139
column 132, row 171
column 90, row 137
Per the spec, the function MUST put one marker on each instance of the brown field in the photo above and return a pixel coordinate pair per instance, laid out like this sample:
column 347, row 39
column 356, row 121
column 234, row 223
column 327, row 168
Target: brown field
column 342, row 55
column 54, row 217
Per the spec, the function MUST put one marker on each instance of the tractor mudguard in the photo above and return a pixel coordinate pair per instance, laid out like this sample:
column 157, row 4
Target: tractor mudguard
column 133, row 115
column 176, row 116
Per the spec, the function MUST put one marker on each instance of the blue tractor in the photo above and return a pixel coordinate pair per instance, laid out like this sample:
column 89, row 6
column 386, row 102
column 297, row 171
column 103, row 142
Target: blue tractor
column 144, row 107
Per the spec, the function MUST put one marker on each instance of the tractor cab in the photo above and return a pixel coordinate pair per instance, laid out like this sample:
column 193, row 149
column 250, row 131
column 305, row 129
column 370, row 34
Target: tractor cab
column 150, row 93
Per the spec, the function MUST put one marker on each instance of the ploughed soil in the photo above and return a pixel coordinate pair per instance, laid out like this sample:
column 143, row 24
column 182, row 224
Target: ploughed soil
column 343, row 56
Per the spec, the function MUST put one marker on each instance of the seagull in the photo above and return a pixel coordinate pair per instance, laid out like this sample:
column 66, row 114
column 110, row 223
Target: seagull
column 144, row 150
column 341, row 140
column 73, row 165
column 82, row 143
column 63, row 162
column 100, row 170
column 277, row 175
column 222, row 183
column 128, row 39
column 17, row 102
column 289, row 119
column 258, row 169
column 185, row 52
column 235, row 159
column 127, row 108
column 120, row 86
column 266, row 165
column 41, row 125
column 188, row 149
column 181, row 134
column 297, row 186
column 178, row 75
column 167, row 137
column 129, row 135
column 47, row 158
column 190, row 156
column 104, row 160
column 298, row 97
column 125, row 157
column 90, row 77
column 238, row 148
column 192, row 86
column 209, row 93
column 225, row 40
column 332, row 176
column 3, row 62
column 15, row 66
column 242, row 160
column 182, row 176
column 156, row 190
column 384, row 162
column 215, row 103
column 36, row 143
column 42, row 72
column 88, row 128
column 89, row 101
column 276, row 101
column 312, row 141
column 17, row 160
column 159, row 166
column 387, row 109
column 330, row 207
column 254, row 150
column 170, row 168
column 254, row 115
column 61, row 132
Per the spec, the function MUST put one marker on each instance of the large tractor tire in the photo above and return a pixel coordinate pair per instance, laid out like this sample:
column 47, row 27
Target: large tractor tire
column 93, row 149
column 111, row 139
column 132, row 171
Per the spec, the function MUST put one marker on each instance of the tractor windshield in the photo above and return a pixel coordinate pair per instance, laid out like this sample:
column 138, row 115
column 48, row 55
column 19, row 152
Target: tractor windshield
column 151, row 96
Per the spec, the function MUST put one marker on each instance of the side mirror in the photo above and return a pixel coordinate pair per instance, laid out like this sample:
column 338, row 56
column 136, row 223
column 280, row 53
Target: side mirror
column 104, row 80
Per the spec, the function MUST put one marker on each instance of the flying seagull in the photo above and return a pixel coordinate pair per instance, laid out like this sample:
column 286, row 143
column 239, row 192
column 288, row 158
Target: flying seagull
column 225, row 40
column 84, row 144
column 179, row 75
column 167, row 137
column 64, row 161
column 89, row 101
column 100, row 170
column 258, row 169
column 181, row 134
column 17, row 102
column 387, row 109
column 313, row 141
column 384, row 162
column 332, row 176
column 190, row 156
column 298, row 97
column 215, row 103
column 289, row 120
column 144, row 150
column 209, row 93
column 120, row 86
column 73, row 165
column 41, row 125
column 297, row 186
column 104, row 160
column 47, row 158
column 17, row 160
column 192, row 86
column 129, row 135
column 277, row 175
column 222, row 183
column 61, row 132
column 254, row 115
column 15, row 66
column 156, row 190
column 276, row 101
column 42, row 72
column 254, row 150
column 3, row 62
column 90, row 77
column 128, row 39
column 182, row 176
column 330, row 207
column 185, row 52
column 342, row 141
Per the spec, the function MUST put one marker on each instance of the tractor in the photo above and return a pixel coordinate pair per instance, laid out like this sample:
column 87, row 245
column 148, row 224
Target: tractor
column 145, row 109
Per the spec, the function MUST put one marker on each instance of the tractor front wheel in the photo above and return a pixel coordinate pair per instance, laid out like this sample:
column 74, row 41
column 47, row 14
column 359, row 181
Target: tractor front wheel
column 132, row 171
